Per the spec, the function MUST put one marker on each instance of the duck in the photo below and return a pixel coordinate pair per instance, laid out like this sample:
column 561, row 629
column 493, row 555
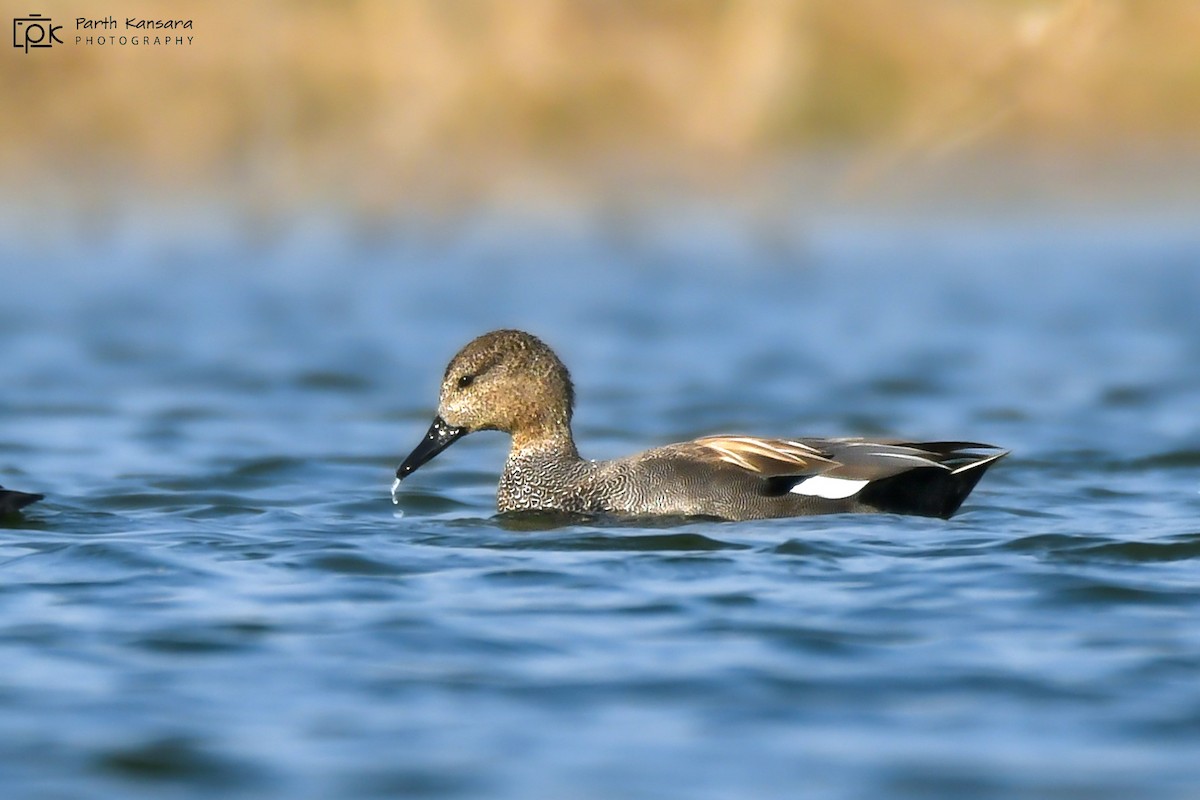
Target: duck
column 511, row 381
column 11, row 502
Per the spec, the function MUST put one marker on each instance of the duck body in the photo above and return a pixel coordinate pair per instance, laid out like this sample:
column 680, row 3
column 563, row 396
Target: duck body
column 696, row 479
column 511, row 381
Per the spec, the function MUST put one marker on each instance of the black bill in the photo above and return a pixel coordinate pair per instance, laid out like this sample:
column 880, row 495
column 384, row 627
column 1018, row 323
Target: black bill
column 438, row 438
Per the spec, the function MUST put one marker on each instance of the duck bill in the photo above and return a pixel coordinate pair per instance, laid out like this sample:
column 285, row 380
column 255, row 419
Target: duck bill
column 440, row 436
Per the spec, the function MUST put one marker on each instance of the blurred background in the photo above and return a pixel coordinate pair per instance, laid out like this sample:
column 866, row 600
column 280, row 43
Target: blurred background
column 370, row 108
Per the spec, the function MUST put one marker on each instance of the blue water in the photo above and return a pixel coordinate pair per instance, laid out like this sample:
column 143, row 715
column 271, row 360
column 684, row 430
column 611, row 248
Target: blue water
column 218, row 598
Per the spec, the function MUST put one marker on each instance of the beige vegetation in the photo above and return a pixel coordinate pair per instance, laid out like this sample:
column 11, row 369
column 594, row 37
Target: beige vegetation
column 375, row 100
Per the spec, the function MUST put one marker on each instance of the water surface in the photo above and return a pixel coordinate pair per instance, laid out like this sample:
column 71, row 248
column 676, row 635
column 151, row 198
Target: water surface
column 218, row 598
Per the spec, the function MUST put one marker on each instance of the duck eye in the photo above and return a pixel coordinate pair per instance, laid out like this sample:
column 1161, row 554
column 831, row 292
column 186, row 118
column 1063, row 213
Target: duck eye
column 465, row 381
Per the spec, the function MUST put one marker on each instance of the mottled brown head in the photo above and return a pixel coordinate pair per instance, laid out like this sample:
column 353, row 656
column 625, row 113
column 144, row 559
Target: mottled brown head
column 507, row 381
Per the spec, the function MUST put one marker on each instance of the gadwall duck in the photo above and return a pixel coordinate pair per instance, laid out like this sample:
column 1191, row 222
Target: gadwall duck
column 11, row 502
column 510, row 381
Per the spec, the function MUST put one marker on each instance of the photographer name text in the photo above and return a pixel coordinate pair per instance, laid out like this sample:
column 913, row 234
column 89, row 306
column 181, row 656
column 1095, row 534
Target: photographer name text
column 110, row 23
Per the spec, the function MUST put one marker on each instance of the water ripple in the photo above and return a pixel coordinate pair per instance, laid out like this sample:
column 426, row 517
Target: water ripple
column 217, row 597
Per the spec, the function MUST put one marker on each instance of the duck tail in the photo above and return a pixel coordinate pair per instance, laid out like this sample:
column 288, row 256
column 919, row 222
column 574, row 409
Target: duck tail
column 927, row 491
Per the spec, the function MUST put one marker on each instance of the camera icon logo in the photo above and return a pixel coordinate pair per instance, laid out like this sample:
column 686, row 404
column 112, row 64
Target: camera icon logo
column 35, row 31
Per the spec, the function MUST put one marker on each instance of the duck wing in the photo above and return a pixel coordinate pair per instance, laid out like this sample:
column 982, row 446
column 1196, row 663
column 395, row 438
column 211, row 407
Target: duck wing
column 765, row 457
column 872, row 459
column 895, row 475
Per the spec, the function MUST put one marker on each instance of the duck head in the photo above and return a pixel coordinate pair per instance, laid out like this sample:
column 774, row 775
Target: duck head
column 506, row 380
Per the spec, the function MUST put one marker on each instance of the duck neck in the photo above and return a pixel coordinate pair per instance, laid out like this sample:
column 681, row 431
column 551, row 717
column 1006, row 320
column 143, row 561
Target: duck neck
column 546, row 441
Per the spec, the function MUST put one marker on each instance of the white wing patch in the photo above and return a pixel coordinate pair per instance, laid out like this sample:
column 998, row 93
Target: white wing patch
column 829, row 488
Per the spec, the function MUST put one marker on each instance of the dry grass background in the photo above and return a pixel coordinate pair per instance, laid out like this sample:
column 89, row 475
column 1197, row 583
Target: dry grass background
column 377, row 102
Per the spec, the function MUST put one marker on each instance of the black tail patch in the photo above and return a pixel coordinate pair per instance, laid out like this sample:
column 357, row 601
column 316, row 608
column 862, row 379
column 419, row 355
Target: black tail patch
column 926, row 492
